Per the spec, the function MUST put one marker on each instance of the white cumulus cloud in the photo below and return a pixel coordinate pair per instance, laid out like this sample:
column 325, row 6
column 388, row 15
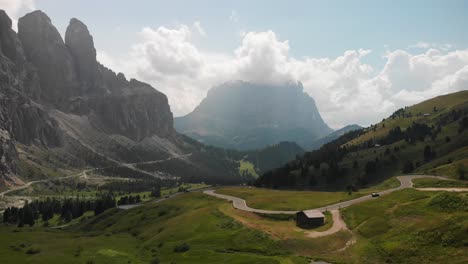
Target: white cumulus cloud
column 345, row 88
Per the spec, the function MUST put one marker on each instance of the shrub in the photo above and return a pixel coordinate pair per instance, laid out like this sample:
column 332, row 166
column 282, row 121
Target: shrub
column 461, row 171
column 181, row 248
column 408, row 167
column 449, row 202
column 33, row 251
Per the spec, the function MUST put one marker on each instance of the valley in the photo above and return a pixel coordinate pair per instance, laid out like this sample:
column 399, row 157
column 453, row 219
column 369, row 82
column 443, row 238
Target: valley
column 206, row 163
column 154, row 236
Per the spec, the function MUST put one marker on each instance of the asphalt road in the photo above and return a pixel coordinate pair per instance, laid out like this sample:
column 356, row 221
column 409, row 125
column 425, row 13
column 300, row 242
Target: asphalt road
column 405, row 182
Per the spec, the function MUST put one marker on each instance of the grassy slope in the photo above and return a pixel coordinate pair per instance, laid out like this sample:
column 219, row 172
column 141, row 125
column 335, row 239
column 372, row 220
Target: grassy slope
column 427, row 182
column 147, row 232
column 455, row 150
column 297, row 200
column 444, row 104
column 247, row 167
column 403, row 227
column 290, row 236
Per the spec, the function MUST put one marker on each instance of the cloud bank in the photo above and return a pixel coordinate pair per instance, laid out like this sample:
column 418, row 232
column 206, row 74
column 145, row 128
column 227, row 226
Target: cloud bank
column 16, row 8
column 346, row 89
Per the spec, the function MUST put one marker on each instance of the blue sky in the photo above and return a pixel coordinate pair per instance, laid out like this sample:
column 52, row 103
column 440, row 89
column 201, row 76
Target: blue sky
column 346, row 53
column 314, row 28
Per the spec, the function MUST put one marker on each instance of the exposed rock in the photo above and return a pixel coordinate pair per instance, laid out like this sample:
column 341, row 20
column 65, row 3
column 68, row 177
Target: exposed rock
column 81, row 45
column 8, row 159
column 29, row 123
column 57, row 99
column 45, row 49
column 8, row 40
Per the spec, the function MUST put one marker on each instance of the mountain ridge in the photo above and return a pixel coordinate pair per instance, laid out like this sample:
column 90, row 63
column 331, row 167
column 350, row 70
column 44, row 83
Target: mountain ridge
column 59, row 100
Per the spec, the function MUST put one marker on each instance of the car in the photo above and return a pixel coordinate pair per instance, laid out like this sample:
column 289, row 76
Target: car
column 375, row 194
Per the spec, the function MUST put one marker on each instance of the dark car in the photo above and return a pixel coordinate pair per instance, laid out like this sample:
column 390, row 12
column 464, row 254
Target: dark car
column 375, row 194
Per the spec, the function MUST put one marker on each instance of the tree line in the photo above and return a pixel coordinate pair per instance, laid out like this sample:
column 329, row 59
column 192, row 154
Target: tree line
column 45, row 210
column 324, row 166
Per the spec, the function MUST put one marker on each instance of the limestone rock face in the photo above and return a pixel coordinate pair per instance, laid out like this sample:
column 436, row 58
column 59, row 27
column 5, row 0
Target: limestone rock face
column 71, row 80
column 136, row 111
column 55, row 97
column 45, row 49
column 8, row 41
column 81, row 45
column 24, row 119
column 8, row 158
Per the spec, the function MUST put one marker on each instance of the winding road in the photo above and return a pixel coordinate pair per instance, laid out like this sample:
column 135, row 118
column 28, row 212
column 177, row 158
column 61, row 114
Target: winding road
column 338, row 223
column 83, row 174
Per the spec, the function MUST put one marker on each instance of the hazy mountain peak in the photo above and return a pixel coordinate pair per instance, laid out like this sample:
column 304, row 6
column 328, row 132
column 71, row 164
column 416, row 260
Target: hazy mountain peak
column 248, row 115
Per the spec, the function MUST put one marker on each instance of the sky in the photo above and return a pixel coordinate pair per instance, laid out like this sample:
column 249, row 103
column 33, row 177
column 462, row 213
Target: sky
column 359, row 60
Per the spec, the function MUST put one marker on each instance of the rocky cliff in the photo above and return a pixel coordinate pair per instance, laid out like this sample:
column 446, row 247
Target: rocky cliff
column 21, row 119
column 55, row 96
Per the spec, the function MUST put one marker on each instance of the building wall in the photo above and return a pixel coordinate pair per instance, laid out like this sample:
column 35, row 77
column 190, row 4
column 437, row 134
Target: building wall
column 303, row 221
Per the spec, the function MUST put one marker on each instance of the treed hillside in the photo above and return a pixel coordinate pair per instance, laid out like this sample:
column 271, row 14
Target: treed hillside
column 273, row 156
column 332, row 136
column 431, row 137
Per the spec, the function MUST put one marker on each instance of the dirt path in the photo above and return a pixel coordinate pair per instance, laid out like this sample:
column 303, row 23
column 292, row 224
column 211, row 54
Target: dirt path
column 338, row 224
column 443, row 189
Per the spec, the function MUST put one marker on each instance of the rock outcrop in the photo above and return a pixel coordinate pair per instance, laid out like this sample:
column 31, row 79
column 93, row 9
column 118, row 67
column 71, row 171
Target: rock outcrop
column 21, row 120
column 55, row 97
column 72, row 80
column 45, row 49
column 81, row 45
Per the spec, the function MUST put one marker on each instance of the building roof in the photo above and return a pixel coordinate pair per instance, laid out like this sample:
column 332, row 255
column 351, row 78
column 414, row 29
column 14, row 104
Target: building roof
column 313, row 214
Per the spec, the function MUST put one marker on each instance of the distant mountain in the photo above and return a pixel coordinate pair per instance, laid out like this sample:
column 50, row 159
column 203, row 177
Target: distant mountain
column 245, row 116
column 430, row 137
column 332, row 136
column 60, row 108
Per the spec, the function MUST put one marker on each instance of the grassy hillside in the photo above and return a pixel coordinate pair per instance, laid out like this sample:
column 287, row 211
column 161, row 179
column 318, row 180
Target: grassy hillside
column 187, row 229
column 298, row 200
column 430, row 137
column 409, row 226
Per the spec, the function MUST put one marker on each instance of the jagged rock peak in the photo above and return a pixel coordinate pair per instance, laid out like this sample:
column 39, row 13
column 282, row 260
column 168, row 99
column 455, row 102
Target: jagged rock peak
column 8, row 39
column 37, row 17
column 81, row 45
column 5, row 21
column 45, row 49
column 78, row 38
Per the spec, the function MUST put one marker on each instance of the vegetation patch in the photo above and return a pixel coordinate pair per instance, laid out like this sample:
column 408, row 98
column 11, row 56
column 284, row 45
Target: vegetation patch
column 449, row 202
column 429, row 183
column 408, row 226
column 288, row 200
column 181, row 248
